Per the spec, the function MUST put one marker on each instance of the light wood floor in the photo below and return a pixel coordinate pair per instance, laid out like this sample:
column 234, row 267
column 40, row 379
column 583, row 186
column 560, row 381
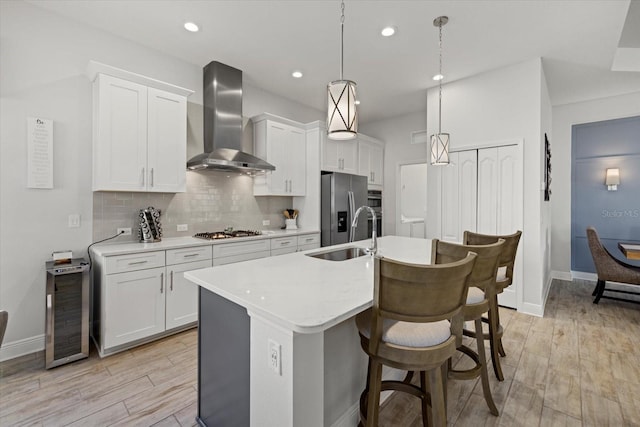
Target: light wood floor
column 579, row 365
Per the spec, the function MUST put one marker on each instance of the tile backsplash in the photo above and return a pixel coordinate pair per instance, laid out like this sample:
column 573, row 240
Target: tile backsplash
column 214, row 200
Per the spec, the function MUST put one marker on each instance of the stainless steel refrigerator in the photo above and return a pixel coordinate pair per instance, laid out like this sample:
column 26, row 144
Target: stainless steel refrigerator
column 341, row 195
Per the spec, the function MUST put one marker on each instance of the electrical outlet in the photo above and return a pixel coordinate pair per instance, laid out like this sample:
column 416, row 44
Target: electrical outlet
column 266, row 222
column 274, row 355
column 74, row 220
column 183, row 227
column 126, row 231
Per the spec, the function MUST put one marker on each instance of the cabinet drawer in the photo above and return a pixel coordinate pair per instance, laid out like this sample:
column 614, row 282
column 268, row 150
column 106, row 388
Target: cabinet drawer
column 133, row 262
column 308, row 239
column 240, row 248
column 283, row 243
column 309, row 246
column 282, row 251
column 241, row 257
column 197, row 253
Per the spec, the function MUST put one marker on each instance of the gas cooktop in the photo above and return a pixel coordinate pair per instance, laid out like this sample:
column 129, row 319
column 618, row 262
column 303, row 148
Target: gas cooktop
column 227, row 234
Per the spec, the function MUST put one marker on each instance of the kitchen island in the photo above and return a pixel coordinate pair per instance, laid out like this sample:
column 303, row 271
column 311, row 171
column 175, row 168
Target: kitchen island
column 278, row 345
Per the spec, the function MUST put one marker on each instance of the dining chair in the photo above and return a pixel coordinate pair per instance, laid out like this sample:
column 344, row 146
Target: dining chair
column 611, row 269
column 482, row 285
column 415, row 324
column 4, row 318
column 503, row 280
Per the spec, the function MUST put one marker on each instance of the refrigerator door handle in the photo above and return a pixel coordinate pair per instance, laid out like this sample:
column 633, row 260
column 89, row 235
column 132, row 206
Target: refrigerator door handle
column 352, row 210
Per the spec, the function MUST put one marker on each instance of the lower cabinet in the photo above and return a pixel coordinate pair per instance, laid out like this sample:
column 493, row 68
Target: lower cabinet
column 142, row 296
column 133, row 306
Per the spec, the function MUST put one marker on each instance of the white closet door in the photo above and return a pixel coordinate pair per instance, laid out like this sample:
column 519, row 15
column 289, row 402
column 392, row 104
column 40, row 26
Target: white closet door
column 487, row 190
column 500, row 202
column 468, row 182
column 450, row 200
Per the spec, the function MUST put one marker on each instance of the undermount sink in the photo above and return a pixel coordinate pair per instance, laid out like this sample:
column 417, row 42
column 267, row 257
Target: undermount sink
column 341, row 254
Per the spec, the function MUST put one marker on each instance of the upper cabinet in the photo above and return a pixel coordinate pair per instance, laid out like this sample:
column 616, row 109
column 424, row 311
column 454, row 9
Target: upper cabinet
column 282, row 143
column 339, row 156
column 371, row 160
column 139, row 132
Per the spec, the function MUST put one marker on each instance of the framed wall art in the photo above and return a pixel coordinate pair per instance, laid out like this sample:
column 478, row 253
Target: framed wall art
column 547, row 169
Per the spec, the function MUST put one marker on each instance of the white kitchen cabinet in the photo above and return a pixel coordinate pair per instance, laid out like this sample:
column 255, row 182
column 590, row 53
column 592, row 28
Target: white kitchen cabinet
column 284, row 245
column 371, row 161
column 139, row 135
column 182, row 295
column 308, row 241
column 282, row 143
column 338, row 156
column 241, row 251
column 133, row 306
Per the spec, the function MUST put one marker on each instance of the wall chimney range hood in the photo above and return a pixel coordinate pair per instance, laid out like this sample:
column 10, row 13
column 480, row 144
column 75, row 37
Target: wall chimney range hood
column 222, row 99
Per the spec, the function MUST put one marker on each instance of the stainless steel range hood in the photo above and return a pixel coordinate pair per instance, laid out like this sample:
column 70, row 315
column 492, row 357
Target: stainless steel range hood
column 222, row 99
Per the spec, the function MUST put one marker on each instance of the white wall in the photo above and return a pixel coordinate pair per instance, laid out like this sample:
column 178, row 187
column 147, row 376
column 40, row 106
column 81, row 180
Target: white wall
column 42, row 73
column 502, row 105
column 545, row 211
column 565, row 116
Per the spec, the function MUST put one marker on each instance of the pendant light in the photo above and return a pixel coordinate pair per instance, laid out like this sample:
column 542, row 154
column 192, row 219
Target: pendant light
column 440, row 141
column 342, row 118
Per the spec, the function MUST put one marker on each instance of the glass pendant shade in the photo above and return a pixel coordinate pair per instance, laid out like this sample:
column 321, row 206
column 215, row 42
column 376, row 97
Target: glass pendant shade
column 342, row 118
column 440, row 149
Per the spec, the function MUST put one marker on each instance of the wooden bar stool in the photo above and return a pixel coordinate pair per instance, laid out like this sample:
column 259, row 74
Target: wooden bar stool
column 415, row 324
column 482, row 283
column 503, row 280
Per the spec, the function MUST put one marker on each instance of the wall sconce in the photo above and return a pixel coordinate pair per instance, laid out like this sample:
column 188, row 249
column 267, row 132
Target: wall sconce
column 613, row 179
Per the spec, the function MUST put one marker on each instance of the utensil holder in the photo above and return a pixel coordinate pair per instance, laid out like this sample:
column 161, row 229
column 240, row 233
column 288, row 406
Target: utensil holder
column 291, row 224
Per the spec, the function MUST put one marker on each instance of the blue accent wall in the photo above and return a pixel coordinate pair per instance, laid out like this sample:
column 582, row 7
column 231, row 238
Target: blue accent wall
column 595, row 147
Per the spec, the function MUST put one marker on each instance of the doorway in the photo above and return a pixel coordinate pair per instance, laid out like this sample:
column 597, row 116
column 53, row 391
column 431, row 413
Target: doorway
column 412, row 202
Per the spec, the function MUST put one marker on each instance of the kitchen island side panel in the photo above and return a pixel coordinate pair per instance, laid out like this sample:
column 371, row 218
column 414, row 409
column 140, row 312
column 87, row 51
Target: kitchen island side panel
column 223, row 362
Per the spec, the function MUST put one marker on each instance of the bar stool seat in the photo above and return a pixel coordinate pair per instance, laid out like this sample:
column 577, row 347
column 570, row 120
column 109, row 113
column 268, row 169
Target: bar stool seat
column 415, row 324
column 504, row 278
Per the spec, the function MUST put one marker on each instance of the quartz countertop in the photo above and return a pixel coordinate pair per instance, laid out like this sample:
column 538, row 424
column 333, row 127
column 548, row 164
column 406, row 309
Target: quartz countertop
column 305, row 294
column 111, row 249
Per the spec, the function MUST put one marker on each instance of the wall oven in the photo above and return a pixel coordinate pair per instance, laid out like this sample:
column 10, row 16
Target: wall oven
column 374, row 201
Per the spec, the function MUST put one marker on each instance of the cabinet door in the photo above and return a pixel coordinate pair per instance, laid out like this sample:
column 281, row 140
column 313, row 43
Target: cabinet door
column 182, row 295
column 134, row 306
column 120, row 135
column 348, row 152
column 330, row 158
column 297, row 158
column 277, row 142
column 376, row 164
column 167, row 141
column 487, row 190
column 364, row 158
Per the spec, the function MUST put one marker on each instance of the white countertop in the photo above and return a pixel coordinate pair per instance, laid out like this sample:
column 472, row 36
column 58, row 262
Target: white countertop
column 111, row 249
column 306, row 294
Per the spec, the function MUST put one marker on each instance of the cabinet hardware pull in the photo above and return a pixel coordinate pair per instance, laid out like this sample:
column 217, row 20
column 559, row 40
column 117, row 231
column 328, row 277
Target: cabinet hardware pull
column 151, row 179
column 138, row 262
column 143, row 177
column 171, row 288
column 310, row 239
column 189, row 255
column 284, row 243
column 161, row 282
column 49, row 318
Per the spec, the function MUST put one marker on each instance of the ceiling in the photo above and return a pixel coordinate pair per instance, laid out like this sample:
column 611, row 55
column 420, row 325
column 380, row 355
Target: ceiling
column 577, row 40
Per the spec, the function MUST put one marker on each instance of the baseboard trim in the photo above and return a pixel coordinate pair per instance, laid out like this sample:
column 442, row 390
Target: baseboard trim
column 22, row 347
column 350, row 418
column 532, row 309
column 561, row 275
column 584, row 276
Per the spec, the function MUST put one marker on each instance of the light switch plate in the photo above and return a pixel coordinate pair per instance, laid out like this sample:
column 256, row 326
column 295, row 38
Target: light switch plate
column 74, row 220
column 183, row 227
column 274, row 357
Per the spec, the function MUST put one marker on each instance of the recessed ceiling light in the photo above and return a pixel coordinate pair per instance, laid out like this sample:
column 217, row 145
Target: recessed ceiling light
column 438, row 77
column 190, row 26
column 297, row 74
column 388, row 31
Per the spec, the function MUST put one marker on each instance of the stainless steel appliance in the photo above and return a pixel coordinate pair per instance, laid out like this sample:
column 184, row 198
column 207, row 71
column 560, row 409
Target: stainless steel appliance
column 226, row 234
column 67, row 319
column 341, row 195
column 374, row 201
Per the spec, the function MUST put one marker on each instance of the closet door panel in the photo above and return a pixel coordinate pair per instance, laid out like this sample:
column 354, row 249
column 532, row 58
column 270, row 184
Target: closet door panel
column 468, row 183
column 450, row 200
column 487, row 190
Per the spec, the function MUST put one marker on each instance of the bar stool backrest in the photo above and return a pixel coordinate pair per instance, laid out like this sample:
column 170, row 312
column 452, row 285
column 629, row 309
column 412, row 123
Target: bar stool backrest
column 508, row 257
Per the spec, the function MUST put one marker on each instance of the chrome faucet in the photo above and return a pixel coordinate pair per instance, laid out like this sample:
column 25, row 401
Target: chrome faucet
column 374, row 237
